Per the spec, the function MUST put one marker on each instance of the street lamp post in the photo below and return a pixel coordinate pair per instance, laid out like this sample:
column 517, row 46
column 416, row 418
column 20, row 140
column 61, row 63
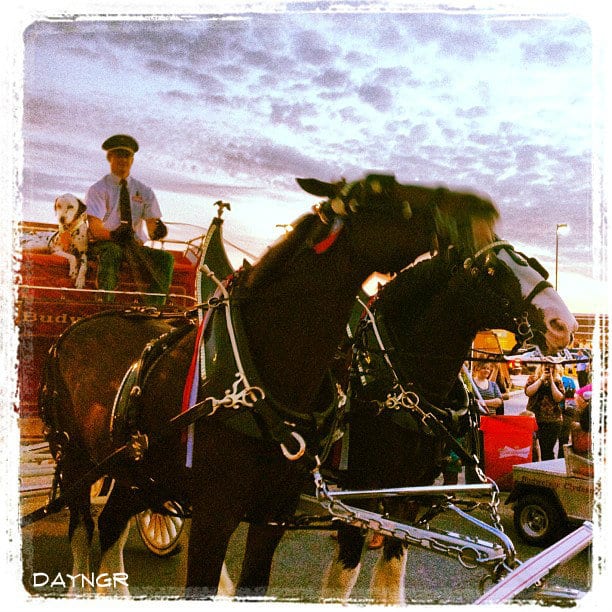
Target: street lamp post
column 563, row 229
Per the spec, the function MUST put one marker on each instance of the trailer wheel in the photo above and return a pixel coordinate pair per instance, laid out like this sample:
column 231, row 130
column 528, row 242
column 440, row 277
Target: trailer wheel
column 538, row 520
column 159, row 531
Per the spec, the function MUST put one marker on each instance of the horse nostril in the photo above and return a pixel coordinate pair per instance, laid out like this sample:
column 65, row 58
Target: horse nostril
column 562, row 329
column 558, row 325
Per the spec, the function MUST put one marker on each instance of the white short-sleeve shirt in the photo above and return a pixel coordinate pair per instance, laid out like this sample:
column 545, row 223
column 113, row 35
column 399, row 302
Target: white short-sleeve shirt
column 102, row 201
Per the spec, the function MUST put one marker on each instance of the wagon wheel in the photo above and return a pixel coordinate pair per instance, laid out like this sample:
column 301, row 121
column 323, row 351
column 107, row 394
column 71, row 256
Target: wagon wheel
column 161, row 531
column 538, row 520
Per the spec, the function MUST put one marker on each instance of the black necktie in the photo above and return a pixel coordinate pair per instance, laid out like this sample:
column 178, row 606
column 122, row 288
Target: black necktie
column 124, row 203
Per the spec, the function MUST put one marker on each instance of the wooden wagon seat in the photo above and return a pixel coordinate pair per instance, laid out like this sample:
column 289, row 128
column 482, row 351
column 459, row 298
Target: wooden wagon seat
column 46, row 269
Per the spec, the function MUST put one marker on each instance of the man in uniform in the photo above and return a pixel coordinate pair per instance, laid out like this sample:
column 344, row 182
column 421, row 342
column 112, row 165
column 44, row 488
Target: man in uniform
column 120, row 209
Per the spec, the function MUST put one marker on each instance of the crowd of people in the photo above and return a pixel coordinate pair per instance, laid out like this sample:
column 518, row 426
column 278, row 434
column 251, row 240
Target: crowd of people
column 561, row 408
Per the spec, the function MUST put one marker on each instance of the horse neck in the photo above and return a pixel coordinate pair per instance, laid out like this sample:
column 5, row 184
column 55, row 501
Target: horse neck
column 390, row 247
column 433, row 331
column 301, row 317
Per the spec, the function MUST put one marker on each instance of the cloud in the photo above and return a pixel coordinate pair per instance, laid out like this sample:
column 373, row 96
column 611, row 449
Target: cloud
column 377, row 96
column 310, row 47
column 554, row 53
column 472, row 112
column 242, row 106
column 332, row 79
column 292, row 115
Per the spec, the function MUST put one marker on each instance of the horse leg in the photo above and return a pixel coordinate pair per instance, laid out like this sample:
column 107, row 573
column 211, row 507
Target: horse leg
column 342, row 573
column 208, row 540
column 226, row 586
column 261, row 544
column 81, row 525
column 389, row 574
column 114, row 528
column 80, row 534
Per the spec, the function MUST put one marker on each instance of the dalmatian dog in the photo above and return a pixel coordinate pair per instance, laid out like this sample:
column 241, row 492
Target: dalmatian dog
column 71, row 240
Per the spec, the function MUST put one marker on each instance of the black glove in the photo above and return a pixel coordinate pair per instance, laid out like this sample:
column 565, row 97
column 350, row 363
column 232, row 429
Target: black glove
column 160, row 231
column 123, row 234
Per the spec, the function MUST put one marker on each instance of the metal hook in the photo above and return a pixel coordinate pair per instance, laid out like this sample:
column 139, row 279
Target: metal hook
column 301, row 450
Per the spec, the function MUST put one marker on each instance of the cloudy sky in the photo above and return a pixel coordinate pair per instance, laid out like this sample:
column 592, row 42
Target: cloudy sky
column 234, row 106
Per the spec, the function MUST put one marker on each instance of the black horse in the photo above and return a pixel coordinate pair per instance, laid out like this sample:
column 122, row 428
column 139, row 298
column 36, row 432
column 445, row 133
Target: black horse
column 409, row 348
column 284, row 316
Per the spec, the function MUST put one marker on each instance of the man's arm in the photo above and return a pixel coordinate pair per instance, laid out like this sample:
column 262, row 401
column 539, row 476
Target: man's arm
column 122, row 235
column 97, row 231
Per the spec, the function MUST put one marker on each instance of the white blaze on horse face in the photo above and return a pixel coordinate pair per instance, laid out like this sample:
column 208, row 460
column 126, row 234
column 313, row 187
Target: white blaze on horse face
column 560, row 322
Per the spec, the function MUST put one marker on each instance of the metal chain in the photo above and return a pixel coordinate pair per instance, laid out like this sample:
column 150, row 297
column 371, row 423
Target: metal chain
column 469, row 551
column 400, row 399
column 495, row 498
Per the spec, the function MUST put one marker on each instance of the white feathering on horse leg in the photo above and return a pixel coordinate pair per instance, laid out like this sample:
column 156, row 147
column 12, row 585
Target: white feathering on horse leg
column 339, row 581
column 226, row 586
column 112, row 564
column 388, row 580
column 80, row 546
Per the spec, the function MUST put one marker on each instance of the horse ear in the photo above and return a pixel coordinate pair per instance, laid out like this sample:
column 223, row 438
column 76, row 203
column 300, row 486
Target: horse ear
column 318, row 188
column 82, row 208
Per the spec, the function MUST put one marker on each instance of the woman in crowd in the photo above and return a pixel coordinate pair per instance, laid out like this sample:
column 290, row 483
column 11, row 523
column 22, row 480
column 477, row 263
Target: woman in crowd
column 492, row 401
column 545, row 391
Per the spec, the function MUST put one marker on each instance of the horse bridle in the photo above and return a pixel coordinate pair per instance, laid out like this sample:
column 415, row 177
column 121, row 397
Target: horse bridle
column 524, row 332
column 335, row 211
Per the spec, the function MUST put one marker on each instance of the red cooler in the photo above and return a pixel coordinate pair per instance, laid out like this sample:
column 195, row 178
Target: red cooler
column 508, row 441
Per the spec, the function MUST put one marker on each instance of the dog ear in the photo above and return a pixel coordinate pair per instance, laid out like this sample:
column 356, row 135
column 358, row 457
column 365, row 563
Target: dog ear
column 82, row 208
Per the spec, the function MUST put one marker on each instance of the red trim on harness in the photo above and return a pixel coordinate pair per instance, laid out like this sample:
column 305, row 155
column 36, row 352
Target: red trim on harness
column 193, row 368
column 329, row 240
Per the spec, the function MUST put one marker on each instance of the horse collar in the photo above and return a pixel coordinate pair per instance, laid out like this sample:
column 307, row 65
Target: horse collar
column 230, row 351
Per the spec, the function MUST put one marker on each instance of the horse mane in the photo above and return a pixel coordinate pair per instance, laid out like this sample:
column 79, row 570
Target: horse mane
column 306, row 231
column 419, row 281
column 455, row 217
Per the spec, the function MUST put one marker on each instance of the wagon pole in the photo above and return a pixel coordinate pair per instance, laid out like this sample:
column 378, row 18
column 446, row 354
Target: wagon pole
column 535, row 569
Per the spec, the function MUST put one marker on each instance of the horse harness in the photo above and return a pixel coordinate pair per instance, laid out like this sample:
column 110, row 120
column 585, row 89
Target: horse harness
column 248, row 407
column 403, row 396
